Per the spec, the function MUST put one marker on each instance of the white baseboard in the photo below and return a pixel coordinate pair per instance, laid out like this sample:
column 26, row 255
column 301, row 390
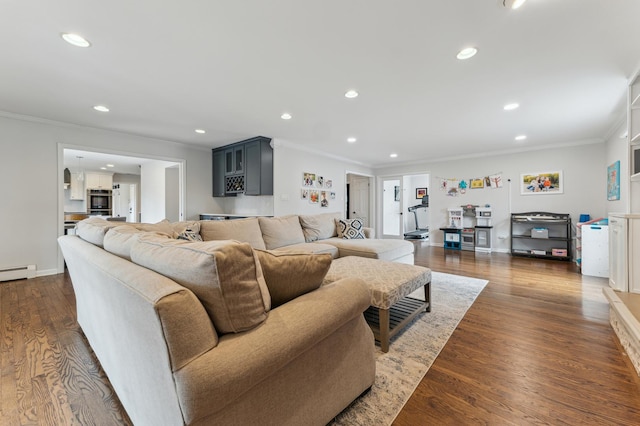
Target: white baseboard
column 45, row 272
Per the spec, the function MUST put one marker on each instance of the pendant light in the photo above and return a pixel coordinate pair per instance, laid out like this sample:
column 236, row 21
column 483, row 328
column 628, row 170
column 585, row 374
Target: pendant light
column 80, row 175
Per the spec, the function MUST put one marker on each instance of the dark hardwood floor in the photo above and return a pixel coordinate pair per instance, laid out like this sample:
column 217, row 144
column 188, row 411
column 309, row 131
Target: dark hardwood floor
column 535, row 348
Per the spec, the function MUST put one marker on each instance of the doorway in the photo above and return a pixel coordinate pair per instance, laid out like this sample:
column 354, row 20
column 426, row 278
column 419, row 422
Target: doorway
column 391, row 196
column 401, row 203
column 149, row 193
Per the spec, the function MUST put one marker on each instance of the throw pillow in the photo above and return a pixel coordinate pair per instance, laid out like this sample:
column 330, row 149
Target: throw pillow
column 350, row 229
column 281, row 231
column 245, row 230
column 225, row 275
column 289, row 275
column 186, row 227
column 319, row 226
column 189, row 235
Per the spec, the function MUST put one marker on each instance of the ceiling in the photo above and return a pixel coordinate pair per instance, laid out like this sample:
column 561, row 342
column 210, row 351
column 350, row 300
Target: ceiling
column 232, row 68
column 77, row 160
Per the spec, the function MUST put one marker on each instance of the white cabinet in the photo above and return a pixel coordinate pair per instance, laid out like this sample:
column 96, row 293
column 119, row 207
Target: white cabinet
column 99, row 181
column 76, row 187
column 595, row 250
column 624, row 252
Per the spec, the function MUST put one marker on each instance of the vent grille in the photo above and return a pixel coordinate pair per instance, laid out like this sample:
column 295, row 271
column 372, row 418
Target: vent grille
column 17, row 272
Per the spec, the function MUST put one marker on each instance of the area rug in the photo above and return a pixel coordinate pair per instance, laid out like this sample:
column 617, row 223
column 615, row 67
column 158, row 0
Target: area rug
column 411, row 353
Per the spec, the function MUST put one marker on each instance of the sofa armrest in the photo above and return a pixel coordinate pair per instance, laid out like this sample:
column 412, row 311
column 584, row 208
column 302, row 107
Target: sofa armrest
column 243, row 360
column 369, row 232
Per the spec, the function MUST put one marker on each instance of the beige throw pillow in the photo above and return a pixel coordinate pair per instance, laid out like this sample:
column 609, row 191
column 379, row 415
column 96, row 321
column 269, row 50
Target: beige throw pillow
column 289, row 275
column 225, row 276
column 319, row 226
column 244, row 230
column 281, row 231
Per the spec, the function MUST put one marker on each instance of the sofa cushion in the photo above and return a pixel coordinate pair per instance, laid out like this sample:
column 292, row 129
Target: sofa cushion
column 93, row 230
column 243, row 230
column 319, row 226
column 281, row 231
column 350, row 229
column 289, row 275
column 120, row 239
column 309, row 248
column 225, row 276
column 386, row 249
column 162, row 227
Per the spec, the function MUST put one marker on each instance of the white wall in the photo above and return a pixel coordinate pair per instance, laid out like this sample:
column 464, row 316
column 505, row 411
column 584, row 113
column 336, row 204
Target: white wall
column 29, row 170
column 584, row 169
column 152, row 188
column 250, row 205
column 289, row 164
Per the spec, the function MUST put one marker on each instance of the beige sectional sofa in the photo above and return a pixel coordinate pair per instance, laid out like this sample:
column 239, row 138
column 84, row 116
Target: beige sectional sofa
column 224, row 331
column 306, row 233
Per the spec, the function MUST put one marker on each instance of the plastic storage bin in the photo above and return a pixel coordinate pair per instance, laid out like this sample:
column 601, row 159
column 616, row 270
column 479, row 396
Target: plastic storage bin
column 539, row 233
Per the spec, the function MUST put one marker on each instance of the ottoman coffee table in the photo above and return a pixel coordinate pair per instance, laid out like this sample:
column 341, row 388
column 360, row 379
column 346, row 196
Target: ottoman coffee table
column 389, row 285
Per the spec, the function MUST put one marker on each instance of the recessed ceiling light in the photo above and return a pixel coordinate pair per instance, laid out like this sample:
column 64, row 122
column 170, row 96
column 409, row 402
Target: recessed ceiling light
column 201, row 131
column 351, row 140
column 286, row 116
column 75, row 40
column 521, row 137
column 110, row 165
column 351, row 94
column 510, row 107
column 467, row 53
column 101, row 108
column 103, row 168
column 394, row 155
column 513, row 4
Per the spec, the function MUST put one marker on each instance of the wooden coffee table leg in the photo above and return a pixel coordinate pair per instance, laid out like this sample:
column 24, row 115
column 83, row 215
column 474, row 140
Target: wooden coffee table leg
column 383, row 315
column 427, row 295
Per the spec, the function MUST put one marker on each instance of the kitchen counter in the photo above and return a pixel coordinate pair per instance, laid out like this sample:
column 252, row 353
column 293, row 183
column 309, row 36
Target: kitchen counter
column 226, row 216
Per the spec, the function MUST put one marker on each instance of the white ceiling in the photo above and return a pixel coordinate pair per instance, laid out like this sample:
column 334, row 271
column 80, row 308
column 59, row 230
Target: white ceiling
column 232, row 68
column 77, row 160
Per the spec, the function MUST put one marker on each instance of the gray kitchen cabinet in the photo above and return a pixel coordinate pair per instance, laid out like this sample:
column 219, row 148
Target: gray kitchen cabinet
column 243, row 167
column 218, row 172
column 259, row 172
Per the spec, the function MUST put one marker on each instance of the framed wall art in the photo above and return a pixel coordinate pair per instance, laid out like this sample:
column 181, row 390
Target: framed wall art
column 613, row 181
column 541, row 183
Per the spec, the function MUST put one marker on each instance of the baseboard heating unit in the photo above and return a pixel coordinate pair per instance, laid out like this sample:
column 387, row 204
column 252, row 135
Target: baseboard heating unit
column 17, row 272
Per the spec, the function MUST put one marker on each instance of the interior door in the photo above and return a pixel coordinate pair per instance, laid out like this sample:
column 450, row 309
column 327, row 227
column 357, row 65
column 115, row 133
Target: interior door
column 391, row 207
column 359, row 199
